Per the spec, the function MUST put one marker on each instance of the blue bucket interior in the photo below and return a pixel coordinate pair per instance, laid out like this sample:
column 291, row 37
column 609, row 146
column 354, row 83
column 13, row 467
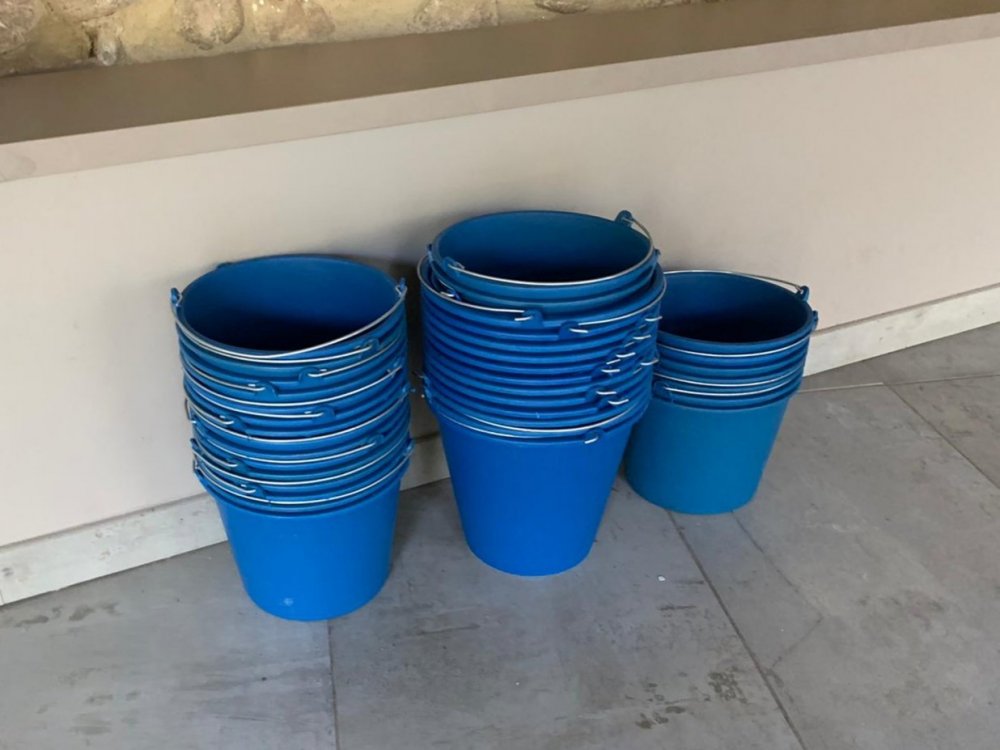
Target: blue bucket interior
column 542, row 246
column 285, row 303
column 729, row 309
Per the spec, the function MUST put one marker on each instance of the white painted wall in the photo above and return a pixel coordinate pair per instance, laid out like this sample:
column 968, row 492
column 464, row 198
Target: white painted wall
column 874, row 180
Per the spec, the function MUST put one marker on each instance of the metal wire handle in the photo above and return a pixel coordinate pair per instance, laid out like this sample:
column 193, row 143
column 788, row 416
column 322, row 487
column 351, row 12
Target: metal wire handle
column 782, row 379
column 703, row 394
column 312, row 439
column 245, row 412
column 176, row 299
column 803, row 341
column 306, row 482
column 282, row 462
column 406, row 457
column 800, row 289
column 624, row 217
column 396, row 368
column 322, row 372
column 252, row 387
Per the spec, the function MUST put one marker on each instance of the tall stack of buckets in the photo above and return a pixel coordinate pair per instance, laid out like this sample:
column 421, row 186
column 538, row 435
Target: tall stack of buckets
column 732, row 348
column 540, row 341
column 296, row 384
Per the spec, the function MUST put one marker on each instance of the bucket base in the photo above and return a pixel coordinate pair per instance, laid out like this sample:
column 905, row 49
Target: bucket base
column 701, row 461
column 314, row 566
column 531, row 507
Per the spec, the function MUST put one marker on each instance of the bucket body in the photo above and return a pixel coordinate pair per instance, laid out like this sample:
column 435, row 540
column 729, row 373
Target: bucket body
column 313, row 566
column 700, row 460
column 531, row 508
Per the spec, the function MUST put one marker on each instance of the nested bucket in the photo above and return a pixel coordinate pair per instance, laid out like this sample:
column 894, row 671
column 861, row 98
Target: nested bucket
column 288, row 308
column 316, row 565
column 542, row 256
column 531, row 507
column 728, row 316
column 693, row 459
column 522, row 318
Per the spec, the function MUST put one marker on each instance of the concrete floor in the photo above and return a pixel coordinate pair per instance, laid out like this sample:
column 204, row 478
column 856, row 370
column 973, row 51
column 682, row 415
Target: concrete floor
column 854, row 604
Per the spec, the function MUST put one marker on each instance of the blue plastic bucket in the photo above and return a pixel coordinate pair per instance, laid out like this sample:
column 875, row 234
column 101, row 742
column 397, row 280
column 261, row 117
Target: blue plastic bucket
column 544, row 256
column 695, row 460
column 531, row 508
column 729, row 400
column 287, row 307
column 314, row 566
column 725, row 313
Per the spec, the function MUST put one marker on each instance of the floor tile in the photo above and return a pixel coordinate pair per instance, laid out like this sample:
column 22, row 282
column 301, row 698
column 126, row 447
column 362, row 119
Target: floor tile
column 891, row 536
column 969, row 354
column 851, row 376
column 967, row 413
column 171, row 655
column 629, row 650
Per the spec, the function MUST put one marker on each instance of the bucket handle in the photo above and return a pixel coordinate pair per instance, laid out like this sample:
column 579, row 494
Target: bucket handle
column 782, row 379
column 209, row 399
column 322, row 372
column 735, row 356
column 253, row 387
column 667, row 389
column 212, row 479
column 198, row 449
column 368, row 445
column 176, row 298
column 591, row 433
column 304, row 483
column 194, row 411
column 391, row 371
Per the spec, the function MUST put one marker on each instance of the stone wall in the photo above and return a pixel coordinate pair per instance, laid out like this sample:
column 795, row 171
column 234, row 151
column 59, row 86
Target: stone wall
column 38, row 35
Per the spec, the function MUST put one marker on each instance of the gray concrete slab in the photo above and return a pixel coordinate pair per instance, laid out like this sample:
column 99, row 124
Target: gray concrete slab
column 969, row 354
column 629, row 650
column 171, row 655
column 891, row 537
column 967, row 413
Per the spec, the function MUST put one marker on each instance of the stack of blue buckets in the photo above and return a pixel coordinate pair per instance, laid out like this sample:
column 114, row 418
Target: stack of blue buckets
column 295, row 376
column 540, row 341
column 732, row 348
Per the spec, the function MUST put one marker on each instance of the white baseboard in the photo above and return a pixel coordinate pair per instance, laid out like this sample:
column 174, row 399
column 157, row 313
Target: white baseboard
column 50, row 563
column 901, row 329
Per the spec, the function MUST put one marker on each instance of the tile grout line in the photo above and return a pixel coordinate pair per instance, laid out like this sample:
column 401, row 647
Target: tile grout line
column 854, row 386
column 941, row 435
column 333, row 685
column 739, row 634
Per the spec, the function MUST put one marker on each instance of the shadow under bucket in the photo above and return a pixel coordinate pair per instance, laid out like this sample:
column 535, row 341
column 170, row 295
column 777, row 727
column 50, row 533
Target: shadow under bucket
column 701, row 460
column 531, row 507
